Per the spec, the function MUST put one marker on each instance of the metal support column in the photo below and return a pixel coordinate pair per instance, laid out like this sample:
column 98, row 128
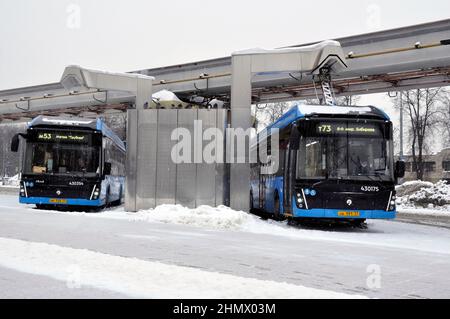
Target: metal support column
column 241, row 88
column 144, row 92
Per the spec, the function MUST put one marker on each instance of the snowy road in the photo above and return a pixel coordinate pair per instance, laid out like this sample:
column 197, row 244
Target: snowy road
column 414, row 260
column 19, row 285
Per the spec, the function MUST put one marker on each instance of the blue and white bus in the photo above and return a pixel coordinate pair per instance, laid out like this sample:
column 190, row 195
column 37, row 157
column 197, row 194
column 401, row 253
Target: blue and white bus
column 335, row 163
column 71, row 162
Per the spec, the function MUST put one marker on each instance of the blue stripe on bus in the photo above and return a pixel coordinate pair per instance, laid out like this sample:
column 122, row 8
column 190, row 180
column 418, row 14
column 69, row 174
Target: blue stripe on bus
column 334, row 213
column 70, row 201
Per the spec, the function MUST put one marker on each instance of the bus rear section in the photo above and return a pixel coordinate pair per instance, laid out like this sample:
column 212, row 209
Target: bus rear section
column 333, row 166
column 70, row 165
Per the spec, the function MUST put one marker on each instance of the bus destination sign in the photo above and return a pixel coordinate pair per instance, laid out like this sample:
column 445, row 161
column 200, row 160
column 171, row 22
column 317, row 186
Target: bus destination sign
column 348, row 128
column 62, row 137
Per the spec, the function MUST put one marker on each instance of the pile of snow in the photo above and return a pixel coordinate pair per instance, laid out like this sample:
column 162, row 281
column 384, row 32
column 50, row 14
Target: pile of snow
column 219, row 218
column 143, row 279
column 410, row 188
column 165, row 95
column 424, row 195
column 11, row 181
column 167, row 99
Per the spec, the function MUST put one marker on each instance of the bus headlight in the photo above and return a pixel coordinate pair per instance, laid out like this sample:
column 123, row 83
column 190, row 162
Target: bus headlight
column 300, row 201
column 96, row 194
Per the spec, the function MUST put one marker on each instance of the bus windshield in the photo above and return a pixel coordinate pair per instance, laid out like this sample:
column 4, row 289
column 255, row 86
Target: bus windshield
column 345, row 150
column 57, row 155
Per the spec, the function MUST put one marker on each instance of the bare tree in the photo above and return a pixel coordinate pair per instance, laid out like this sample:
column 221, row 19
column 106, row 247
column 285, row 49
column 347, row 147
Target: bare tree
column 266, row 114
column 421, row 106
column 348, row 100
column 274, row 111
column 444, row 115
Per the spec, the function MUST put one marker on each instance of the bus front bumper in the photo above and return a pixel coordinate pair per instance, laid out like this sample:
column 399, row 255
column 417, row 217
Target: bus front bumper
column 344, row 214
column 60, row 201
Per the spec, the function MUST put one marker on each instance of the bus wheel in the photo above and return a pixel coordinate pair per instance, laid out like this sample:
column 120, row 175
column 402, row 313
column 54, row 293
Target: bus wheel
column 361, row 224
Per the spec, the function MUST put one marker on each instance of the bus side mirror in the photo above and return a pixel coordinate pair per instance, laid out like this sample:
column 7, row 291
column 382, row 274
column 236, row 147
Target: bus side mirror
column 400, row 169
column 107, row 169
column 294, row 139
column 15, row 143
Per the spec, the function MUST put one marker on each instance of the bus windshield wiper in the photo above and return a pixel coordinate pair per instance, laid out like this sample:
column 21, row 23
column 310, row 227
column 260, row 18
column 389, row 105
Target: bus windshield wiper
column 320, row 183
column 379, row 175
column 379, row 182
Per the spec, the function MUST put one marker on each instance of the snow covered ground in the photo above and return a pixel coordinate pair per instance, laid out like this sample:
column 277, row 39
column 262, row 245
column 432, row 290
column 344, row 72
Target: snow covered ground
column 424, row 211
column 144, row 279
column 217, row 252
column 380, row 233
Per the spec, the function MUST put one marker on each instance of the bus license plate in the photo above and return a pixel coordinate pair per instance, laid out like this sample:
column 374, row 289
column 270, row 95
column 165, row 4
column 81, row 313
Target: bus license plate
column 58, row 201
column 349, row 214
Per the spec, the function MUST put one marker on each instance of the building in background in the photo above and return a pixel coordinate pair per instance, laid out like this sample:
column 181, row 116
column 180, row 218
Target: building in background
column 436, row 168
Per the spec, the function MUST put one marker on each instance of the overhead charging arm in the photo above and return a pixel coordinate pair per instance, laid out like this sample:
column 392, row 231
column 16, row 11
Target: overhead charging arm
column 320, row 60
column 325, row 83
column 75, row 77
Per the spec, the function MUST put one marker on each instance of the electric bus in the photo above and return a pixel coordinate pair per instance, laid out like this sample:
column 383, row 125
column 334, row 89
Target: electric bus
column 334, row 163
column 71, row 162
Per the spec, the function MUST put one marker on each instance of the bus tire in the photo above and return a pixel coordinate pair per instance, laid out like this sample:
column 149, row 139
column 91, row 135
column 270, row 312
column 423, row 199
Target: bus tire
column 361, row 224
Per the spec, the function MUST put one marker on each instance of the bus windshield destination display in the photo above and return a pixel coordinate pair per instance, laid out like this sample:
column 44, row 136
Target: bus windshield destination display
column 62, row 137
column 348, row 128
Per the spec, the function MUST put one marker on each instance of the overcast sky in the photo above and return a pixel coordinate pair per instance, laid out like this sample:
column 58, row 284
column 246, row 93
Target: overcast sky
column 39, row 38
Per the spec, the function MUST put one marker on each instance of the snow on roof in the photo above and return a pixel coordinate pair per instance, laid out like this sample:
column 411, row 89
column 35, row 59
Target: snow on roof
column 324, row 109
column 307, row 48
column 67, row 121
column 165, row 95
column 304, row 110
